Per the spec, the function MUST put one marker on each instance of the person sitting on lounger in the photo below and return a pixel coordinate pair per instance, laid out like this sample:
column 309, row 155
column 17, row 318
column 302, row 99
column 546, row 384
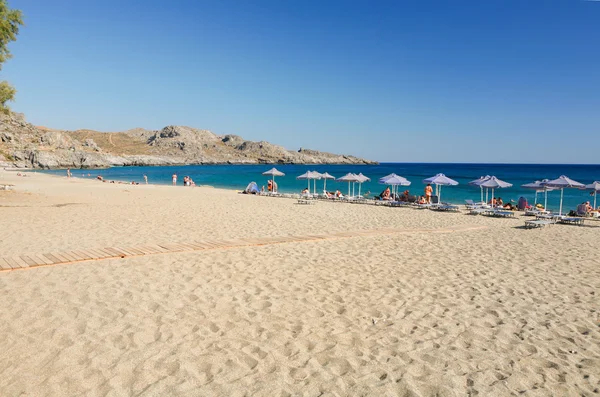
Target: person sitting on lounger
column 422, row 200
column 385, row 195
column 509, row 206
column 338, row 194
column 305, row 190
column 404, row 196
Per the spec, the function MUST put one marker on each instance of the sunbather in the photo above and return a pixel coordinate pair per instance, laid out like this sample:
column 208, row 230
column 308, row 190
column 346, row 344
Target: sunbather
column 385, row 195
column 509, row 206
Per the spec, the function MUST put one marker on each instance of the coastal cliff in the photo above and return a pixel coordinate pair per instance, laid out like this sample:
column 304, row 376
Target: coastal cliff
column 25, row 145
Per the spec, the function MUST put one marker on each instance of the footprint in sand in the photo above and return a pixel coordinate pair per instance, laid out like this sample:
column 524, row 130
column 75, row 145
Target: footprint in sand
column 298, row 374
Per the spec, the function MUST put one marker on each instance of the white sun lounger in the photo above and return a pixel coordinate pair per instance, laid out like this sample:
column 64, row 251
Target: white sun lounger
column 479, row 211
column 470, row 205
column 572, row 220
column 498, row 213
column 445, row 207
column 535, row 212
column 537, row 224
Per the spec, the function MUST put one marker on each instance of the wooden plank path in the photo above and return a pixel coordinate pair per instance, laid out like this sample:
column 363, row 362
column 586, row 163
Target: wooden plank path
column 28, row 261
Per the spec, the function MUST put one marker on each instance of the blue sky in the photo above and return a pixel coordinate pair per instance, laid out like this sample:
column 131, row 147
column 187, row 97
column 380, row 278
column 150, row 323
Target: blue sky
column 414, row 81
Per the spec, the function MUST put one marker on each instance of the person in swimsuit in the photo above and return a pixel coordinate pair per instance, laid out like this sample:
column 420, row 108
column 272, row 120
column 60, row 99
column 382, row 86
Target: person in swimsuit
column 428, row 192
column 174, row 179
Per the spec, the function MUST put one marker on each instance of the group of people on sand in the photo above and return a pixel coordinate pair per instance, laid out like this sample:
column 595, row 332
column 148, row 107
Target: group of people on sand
column 497, row 202
column 406, row 196
column 187, row 181
column 336, row 194
column 271, row 186
column 586, row 209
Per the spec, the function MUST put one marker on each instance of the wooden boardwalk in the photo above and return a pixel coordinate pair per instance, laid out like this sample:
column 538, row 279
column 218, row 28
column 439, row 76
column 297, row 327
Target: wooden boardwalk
column 58, row 258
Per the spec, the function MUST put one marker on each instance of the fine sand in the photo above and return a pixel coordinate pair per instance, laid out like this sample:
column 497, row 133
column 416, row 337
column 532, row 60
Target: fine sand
column 447, row 305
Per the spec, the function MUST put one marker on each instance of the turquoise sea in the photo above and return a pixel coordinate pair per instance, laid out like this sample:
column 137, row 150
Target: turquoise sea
column 238, row 176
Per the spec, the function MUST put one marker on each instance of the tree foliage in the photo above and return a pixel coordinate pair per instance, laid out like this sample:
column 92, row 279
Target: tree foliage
column 7, row 93
column 10, row 21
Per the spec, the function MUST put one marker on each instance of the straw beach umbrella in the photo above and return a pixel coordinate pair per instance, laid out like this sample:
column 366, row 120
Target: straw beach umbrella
column 349, row 177
column 308, row 175
column 440, row 180
column 595, row 186
column 273, row 172
column 561, row 183
column 326, row 176
column 478, row 182
column 315, row 175
column 495, row 183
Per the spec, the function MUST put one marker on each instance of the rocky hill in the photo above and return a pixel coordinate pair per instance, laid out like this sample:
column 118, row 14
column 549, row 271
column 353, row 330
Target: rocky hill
column 25, row 145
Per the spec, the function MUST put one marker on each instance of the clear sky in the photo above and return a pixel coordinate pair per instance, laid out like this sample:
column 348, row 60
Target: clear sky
column 414, row 81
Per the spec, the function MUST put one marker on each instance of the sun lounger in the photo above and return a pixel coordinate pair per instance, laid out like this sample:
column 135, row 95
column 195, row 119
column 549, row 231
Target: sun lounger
column 445, row 207
column 537, row 223
column 397, row 203
column 572, row 220
column 422, row 206
column 535, row 212
column 306, row 201
column 479, row 211
column 504, row 214
column 499, row 213
column 549, row 217
column 472, row 205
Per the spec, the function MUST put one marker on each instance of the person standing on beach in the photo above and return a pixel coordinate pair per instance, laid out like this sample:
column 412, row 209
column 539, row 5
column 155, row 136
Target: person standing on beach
column 146, row 179
column 174, row 179
column 428, row 192
column 68, row 172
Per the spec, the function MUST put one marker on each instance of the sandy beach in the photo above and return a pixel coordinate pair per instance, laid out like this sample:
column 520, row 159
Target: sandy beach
column 446, row 304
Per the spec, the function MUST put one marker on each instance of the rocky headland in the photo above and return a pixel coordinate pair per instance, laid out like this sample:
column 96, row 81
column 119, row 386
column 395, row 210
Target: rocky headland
column 27, row 146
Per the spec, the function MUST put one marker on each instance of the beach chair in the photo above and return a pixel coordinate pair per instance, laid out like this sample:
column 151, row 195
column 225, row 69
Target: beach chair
column 549, row 217
column 479, row 211
column 582, row 210
column 445, row 208
column 535, row 211
column 572, row 220
column 422, row 206
column 471, row 205
column 531, row 224
column 499, row 213
column 398, row 203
